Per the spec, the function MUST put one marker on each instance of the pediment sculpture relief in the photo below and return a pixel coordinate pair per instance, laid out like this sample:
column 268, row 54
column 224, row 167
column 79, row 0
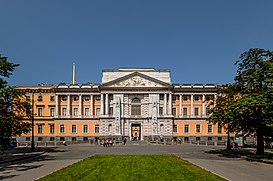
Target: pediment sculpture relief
column 136, row 82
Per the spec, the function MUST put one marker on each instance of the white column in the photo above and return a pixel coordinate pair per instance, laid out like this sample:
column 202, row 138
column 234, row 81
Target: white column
column 203, row 106
column 165, row 105
column 214, row 101
column 91, row 105
column 57, row 106
column 192, row 110
column 106, row 104
column 80, row 105
column 180, row 105
column 68, row 106
column 101, row 105
column 170, row 104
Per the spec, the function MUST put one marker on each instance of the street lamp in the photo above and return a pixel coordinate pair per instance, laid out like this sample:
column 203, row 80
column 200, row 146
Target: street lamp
column 32, row 148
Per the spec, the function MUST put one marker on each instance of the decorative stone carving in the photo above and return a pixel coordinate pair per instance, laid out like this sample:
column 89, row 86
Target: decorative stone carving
column 136, row 81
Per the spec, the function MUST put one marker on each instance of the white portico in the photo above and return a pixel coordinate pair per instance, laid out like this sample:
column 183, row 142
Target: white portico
column 136, row 103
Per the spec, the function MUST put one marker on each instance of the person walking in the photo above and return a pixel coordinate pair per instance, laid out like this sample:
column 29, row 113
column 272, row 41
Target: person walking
column 124, row 141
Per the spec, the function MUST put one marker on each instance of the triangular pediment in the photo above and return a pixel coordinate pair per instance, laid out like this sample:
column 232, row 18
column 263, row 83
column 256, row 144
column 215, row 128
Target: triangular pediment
column 136, row 80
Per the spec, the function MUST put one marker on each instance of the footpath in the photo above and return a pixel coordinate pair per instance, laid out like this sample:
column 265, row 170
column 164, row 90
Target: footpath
column 16, row 154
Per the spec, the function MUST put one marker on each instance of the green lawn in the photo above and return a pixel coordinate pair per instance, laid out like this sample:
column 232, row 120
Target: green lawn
column 132, row 167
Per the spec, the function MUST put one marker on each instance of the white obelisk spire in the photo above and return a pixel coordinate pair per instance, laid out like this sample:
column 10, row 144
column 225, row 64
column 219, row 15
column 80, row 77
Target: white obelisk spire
column 74, row 74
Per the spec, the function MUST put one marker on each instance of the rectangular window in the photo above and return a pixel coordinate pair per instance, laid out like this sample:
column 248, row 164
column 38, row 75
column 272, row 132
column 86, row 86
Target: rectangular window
column 52, row 138
column 185, row 98
column 40, row 138
column 27, row 138
column 74, row 139
column 62, row 128
column 86, row 111
column 51, row 128
column 175, row 128
column 52, row 111
column 161, row 97
column 85, row 139
column 97, row 98
column 40, row 111
column 198, row 128
column 40, row 128
column 186, row 139
column 196, row 98
column 86, row 98
column 160, row 110
column 52, row 98
column 207, row 111
column 97, row 128
column 174, row 111
column 196, row 111
column 111, row 111
column 209, row 128
column 210, row 138
column 174, row 98
column 197, row 138
column 219, row 128
column 64, row 111
column 74, row 128
column 75, row 111
column 219, row 138
column 186, row 128
column 62, row 139
column 185, row 112
column 85, row 128
column 97, row 111
column 64, row 98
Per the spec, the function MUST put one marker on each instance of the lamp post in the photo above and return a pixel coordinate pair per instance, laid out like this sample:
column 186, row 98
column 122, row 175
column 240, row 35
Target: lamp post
column 32, row 148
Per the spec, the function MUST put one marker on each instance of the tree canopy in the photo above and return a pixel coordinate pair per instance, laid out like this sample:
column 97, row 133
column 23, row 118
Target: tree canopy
column 247, row 105
column 12, row 105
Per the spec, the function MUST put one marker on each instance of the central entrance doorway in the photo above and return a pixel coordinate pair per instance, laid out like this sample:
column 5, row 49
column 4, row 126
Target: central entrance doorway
column 136, row 132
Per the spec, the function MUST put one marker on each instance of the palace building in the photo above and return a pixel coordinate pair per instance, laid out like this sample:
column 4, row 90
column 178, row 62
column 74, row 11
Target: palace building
column 136, row 103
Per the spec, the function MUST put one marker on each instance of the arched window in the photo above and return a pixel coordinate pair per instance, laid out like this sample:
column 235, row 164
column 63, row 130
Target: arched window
column 161, row 128
column 109, row 127
column 136, row 107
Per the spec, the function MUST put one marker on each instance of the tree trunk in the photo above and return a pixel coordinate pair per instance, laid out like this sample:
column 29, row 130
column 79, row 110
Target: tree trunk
column 228, row 141
column 260, row 142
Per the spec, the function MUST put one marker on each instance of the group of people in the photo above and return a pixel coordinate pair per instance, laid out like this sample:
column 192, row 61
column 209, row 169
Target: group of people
column 107, row 142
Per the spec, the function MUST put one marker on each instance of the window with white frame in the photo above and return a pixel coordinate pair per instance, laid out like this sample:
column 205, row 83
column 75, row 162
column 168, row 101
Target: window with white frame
column 40, row 128
column 74, row 128
column 40, row 111
column 198, row 128
column 62, row 128
column 161, row 128
column 185, row 112
column 97, row 128
column 196, row 111
column 196, row 98
column 86, row 111
column 85, row 128
column 52, row 111
column 64, row 111
column 209, row 128
column 186, row 128
column 97, row 111
column 51, row 128
column 75, row 111
column 136, row 107
column 175, row 128
column 110, row 128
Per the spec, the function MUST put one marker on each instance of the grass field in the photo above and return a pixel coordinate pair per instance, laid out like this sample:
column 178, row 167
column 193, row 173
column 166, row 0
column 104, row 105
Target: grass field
column 132, row 167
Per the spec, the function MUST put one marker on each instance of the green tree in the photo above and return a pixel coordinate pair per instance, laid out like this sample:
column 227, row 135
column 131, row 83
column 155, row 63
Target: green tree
column 221, row 112
column 254, row 109
column 13, row 108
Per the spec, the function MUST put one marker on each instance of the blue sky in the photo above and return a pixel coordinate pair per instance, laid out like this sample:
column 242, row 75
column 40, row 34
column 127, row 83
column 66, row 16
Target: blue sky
column 198, row 41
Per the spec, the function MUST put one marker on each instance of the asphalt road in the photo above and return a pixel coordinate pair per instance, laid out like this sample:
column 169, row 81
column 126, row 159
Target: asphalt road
column 55, row 159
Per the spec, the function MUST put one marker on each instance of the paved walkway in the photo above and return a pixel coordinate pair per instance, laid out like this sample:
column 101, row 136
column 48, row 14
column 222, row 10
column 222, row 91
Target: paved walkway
column 204, row 156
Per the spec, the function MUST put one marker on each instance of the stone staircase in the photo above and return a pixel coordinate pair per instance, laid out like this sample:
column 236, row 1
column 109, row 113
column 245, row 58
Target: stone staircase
column 136, row 143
